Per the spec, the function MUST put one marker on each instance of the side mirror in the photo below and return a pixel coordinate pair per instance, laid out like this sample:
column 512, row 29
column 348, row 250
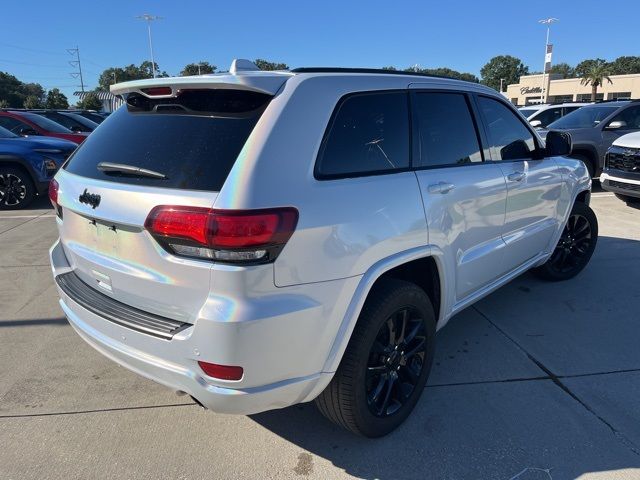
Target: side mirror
column 616, row 124
column 26, row 131
column 536, row 123
column 558, row 144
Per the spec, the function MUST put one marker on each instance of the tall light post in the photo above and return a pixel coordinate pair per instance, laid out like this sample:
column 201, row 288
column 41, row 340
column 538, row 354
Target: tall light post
column 150, row 18
column 547, row 57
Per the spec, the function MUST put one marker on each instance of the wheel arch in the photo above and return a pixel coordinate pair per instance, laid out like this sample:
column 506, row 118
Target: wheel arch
column 590, row 153
column 20, row 163
column 405, row 266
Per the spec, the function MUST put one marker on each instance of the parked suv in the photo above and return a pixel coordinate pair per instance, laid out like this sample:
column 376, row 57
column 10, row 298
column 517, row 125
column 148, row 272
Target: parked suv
column 27, row 165
column 540, row 116
column 259, row 239
column 593, row 129
column 621, row 174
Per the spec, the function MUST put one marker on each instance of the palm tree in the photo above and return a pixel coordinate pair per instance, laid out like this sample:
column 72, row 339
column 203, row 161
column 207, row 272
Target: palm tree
column 595, row 76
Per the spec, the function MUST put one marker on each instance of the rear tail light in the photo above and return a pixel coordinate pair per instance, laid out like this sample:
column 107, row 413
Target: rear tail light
column 53, row 193
column 222, row 372
column 230, row 236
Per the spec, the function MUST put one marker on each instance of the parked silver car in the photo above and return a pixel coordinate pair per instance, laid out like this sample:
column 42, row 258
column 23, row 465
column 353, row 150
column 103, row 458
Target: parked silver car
column 259, row 239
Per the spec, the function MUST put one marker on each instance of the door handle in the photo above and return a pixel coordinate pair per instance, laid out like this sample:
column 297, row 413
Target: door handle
column 516, row 176
column 441, row 187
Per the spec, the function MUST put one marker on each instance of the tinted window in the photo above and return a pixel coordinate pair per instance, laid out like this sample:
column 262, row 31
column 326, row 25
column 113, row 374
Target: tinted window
column 4, row 133
column 369, row 133
column 446, row 133
column 547, row 116
column 527, row 112
column 508, row 137
column 12, row 124
column 630, row 118
column 585, row 117
column 193, row 139
column 45, row 123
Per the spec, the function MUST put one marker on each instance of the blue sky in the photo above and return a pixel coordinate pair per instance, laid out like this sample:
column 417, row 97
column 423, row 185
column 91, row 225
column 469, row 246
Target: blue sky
column 461, row 35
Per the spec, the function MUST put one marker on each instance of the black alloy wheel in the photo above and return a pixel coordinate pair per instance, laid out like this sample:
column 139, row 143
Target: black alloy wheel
column 396, row 360
column 16, row 189
column 575, row 247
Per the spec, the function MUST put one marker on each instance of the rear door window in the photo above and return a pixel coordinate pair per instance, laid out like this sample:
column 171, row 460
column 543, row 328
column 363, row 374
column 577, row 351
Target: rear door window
column 193, row 139
column 446, row 133
column 369, row 134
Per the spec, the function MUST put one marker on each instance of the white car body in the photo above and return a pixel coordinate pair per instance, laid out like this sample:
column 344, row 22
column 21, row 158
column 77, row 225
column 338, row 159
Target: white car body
column 622, row 176
column 287, row 323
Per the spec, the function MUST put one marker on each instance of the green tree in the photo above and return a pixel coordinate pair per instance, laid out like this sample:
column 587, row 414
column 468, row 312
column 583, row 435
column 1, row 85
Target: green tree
column 595, row 76
column 130, row 72
column 4, row 103
column 586, row 66
column 390, row 67
column 199, row 68
column 504, row 67
column 56, row 99
column 265, row 65
column 11, row 93
column 563, row 69
column 31, row 101
column 90, row 102
column 625, row 65
column 444, row 72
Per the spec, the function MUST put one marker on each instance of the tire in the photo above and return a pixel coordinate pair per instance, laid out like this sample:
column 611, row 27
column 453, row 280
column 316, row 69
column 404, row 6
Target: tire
column 587, row 161
column 627, row 198
column 377, row 386
column 575, row 248
column 16, row 189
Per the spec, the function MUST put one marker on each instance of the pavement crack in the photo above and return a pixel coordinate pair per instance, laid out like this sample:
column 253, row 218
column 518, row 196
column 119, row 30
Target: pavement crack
column 98, row 410
column 489, row 382
column 558, row 381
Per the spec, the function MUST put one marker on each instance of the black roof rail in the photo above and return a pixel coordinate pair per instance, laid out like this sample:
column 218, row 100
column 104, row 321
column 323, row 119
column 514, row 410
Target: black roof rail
column 373, row 70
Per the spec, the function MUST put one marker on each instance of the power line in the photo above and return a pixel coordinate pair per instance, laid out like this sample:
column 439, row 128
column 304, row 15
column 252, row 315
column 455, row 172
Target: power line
column 27, row 49
column 3, row 60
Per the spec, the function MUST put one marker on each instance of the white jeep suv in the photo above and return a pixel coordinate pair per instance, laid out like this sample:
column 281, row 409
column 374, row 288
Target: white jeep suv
column 259, row 239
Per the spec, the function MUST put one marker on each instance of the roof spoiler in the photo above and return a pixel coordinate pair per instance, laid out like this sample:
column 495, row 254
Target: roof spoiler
column 243, row 75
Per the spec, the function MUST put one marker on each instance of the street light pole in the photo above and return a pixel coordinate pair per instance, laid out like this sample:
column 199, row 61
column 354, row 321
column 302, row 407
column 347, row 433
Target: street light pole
column 150, row 18
column 547, row 22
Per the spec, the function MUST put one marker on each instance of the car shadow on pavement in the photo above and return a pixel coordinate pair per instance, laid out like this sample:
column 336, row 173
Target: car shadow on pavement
column 525, row 424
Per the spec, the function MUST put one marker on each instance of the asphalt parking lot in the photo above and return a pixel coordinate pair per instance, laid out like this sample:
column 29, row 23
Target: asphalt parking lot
column 536, row 381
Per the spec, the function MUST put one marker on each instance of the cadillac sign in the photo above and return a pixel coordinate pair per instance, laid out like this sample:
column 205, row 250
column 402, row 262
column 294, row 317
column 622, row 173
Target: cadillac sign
column 527, row 90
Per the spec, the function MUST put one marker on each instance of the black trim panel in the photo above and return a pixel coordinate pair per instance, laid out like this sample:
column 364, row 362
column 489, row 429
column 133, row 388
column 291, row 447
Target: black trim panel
column 118, row 312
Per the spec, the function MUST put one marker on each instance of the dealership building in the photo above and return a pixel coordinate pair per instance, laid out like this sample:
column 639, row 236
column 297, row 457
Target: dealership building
column 530, row 89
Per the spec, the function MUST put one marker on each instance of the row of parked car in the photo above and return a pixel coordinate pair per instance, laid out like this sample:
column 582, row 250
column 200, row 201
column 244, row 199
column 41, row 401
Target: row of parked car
column 33, row 146
column 605, row 136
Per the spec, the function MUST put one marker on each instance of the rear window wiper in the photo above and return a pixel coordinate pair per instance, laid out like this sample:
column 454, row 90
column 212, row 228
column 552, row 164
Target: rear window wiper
column 108, row 167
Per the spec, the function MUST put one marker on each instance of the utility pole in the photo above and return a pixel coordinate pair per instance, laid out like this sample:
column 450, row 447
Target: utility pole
column 76, row 63
column 547, row 58
column 501, row 82
column 150, row 18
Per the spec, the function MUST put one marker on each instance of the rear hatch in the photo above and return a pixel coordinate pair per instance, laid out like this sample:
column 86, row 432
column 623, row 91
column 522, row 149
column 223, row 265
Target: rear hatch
column 184, row 145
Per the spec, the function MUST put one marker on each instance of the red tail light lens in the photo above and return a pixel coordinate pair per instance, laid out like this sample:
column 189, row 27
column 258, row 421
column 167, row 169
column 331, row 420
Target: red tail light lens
column 233, row 236
column 157, row 91
column 53, row 193
column 223, row 372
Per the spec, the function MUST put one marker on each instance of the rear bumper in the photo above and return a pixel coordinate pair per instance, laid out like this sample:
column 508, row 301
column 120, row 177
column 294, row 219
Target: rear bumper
column 174, row 363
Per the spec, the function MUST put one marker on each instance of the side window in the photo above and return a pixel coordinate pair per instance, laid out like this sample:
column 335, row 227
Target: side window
column 369, row 133
column 11, row 124
column 570, row 109
column 446, row 134
column 630, row 116
column 548, row 116
column 508, row 137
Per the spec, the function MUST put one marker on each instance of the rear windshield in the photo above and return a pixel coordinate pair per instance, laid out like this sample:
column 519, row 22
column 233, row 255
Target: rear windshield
column 193, row 140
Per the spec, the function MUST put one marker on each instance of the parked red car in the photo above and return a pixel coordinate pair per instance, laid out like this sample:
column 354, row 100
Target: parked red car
column 27, row 124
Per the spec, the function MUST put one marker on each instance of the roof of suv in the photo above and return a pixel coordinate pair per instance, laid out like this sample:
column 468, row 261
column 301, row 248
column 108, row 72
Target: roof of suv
column 269, row 82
